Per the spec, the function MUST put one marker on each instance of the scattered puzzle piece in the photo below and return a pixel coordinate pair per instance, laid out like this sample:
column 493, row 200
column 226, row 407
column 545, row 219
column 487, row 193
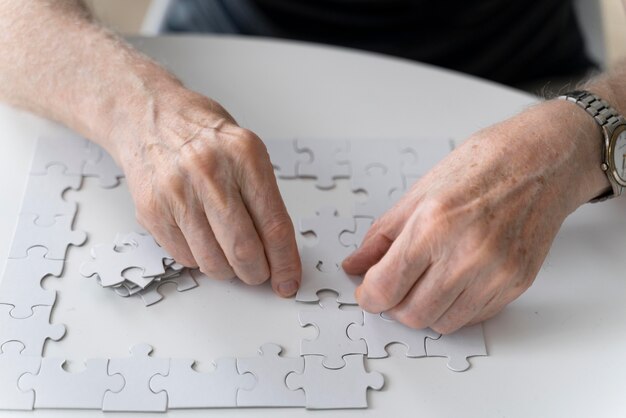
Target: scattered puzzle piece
column 32, row 332
column 13, row 364
column 379, row 332
column 270, row 371
column 332, row 341
column 187, row 388
column 335, row 388
column 458, row 346
column 21, row 282
column 183, row 282
column 58, row 389
column 137, row 371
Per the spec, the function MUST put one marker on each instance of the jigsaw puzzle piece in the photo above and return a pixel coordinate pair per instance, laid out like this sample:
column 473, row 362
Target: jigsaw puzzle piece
column 458, row 347
column 378, row 332
column 32, row 332
column 285, row 158
column 270, row 370
column 102, row 166
column 137, row 370
column 44, row 195
column 13, row 364
column 187, row 388
column 327, row 163
column 55, row 238
column 429, row 152
column 315, row 279
column 56, row 388
column 332, row 341
column 69, row 152
column 327, row 226
column 354, row 239
column 21, row 282
column 383, row 189
column 151, row 294
column 335, row 388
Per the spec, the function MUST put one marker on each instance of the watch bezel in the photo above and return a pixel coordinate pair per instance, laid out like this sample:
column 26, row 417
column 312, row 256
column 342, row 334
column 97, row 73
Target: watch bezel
column 610, row 160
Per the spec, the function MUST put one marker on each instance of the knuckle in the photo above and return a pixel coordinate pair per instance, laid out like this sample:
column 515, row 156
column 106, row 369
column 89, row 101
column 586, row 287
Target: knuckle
column 245, row 252
column 279, row 232
column 247, row 143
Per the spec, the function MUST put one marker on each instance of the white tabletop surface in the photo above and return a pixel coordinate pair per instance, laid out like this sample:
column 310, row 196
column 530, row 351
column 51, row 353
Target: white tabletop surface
column 559, row 350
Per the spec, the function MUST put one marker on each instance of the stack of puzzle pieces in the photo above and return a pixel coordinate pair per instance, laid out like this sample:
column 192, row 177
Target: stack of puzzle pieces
column 330, row 371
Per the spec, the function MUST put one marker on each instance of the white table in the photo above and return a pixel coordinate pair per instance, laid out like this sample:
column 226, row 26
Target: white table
column 559, row 350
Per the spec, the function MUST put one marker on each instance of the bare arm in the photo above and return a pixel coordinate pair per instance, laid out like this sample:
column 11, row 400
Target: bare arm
column 203, row 186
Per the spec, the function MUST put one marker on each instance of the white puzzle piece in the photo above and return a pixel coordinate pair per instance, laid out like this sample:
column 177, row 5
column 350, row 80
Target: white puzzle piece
column 13, row 364
column 102, row 166
column 32, row 331
column 332, row 342
column 21, row 282
column 458, row 346
column 56, row 388
column 151, row 294
column 270, row 370
column 335, row 388
column 383, row 191
column 327, row 226
column 55, row 238
column 187, row 388
column 69, row 152
column 379, row 332
column 354, row 239
column 137, row 370
column 285, row 158
column 329, row 161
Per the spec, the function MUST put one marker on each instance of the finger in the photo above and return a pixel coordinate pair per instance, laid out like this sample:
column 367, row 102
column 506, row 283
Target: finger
column 170, row 237
column 269, row 214
column 467, row 305
column 493, row 307
column 203, row 245
column 377, row 241
column 237, row 236
column 387, row 282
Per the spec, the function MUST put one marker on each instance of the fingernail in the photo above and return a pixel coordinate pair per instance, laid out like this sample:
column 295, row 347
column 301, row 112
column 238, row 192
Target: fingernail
column 288, row 288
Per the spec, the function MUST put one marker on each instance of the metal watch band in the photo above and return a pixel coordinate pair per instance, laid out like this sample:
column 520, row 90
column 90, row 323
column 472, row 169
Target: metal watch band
column 608, row 119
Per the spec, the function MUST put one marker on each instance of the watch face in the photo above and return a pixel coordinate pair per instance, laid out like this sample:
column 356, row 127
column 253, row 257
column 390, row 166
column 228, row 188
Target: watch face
column 619, row 155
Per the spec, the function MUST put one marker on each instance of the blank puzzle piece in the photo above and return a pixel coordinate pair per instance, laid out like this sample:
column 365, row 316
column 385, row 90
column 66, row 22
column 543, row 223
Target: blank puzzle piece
column 335, row 388
column 58, row 389
column 13, row 364
column 44, row 194
column 270, row 371
column 326, row 164
column 315, row 279
column 32, row 332
column 378, row 332
column 102, row 166
column 21, row 282
column 285, row 158
column 55, row 238
column 151, row 294
column 137, row 371
column 458, row 346
column 187, row 388
column 332, row 341
column 383, row 189
column 69, row 152
column 327, row 226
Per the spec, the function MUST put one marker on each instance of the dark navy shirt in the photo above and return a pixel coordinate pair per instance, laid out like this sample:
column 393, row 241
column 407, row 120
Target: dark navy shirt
column 509, row 41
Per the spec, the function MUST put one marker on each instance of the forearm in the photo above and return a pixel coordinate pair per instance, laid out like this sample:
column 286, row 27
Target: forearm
column 55, row 60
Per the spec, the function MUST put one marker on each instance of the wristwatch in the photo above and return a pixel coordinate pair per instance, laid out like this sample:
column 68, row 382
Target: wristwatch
column 613, row 126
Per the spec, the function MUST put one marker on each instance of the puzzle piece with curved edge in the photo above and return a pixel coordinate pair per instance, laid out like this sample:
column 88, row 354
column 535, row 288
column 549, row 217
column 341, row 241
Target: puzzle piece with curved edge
column 285, row 158
column 151, row 295
column 378, row 332
column 55, row 238
column 383, row 187
column 13, row 364
column 44, row 194
column 102, row 166
column 332, row 341
column 458, row 346
column 32, row 331
column 137, row 370
column 187, row 388
column 327, row 163
column 270, row 370
column 56, row 388
column 335, row 388
column 355, row 239
column 68, row 151
column 21, row 282
column 316, row 279
column 327, row 226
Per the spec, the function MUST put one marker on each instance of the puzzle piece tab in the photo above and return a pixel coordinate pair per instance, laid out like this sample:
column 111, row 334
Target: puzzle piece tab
column 32, row 332
column 328, row 163
column 458, row 347
column 13, row 364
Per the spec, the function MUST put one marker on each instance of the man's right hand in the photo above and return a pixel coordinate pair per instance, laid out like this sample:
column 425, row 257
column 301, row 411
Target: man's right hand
column 205, row 189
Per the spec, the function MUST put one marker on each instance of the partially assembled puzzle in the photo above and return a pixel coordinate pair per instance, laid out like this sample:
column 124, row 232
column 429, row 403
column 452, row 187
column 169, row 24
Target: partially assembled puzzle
column 331, row 369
